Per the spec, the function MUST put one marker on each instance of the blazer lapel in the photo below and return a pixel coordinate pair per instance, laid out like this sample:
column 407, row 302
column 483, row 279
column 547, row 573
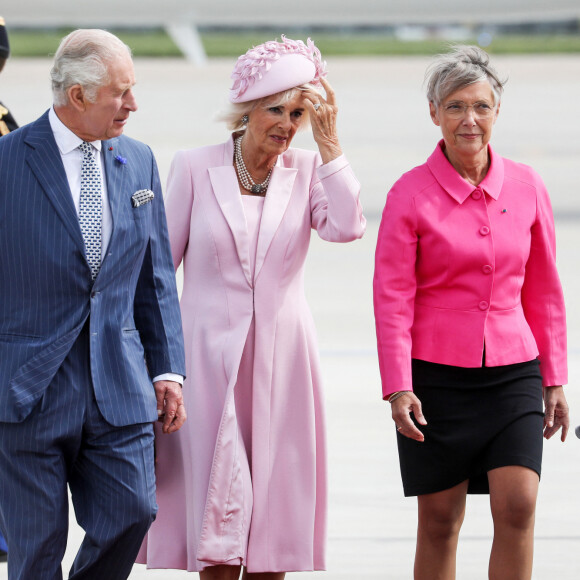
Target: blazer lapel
column 115, row 176
column 275, row 204
column 45, row 162
column 227, row 192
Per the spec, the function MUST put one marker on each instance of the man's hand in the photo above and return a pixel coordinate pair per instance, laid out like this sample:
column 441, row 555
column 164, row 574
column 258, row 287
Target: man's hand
column 170, row 408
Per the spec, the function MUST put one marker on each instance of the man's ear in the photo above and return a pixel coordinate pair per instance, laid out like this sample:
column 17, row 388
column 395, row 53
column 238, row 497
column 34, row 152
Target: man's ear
column 77, row 98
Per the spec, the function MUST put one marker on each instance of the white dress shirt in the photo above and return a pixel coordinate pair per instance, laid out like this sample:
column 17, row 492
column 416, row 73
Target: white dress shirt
column 72, row 158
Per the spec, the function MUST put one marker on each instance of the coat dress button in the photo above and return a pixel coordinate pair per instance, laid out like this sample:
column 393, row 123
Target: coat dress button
column 476, row 194
column 484, row 230
column 483, row 305
column 487, row 269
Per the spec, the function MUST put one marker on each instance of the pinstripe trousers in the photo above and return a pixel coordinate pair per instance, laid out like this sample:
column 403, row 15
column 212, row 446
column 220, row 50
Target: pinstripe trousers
column 109, row 470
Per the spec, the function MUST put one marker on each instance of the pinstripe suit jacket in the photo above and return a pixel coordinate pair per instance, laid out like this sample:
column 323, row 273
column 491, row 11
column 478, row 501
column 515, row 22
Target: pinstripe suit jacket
column 46, row 292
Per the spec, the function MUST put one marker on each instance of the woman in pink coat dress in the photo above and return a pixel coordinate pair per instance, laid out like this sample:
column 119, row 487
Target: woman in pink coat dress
column 246, row 484
column 471, row 326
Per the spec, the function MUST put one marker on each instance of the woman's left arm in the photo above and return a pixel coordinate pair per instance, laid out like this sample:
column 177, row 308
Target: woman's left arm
column 543, row 304
column 335, row 208
column 542, row 296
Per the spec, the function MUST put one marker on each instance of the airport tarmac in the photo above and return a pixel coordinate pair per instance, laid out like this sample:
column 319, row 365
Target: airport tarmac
column 385, row 130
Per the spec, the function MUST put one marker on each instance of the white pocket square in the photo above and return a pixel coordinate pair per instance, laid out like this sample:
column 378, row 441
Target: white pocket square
column 142, row 197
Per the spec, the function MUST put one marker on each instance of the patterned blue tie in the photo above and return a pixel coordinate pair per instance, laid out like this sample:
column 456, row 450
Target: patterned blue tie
column 91, row 208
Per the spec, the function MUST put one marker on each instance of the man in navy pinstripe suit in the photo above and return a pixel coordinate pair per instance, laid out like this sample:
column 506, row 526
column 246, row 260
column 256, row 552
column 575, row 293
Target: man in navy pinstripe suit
column 91, row 349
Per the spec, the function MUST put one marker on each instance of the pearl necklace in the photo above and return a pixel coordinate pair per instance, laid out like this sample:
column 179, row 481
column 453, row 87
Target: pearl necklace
column 244, row 175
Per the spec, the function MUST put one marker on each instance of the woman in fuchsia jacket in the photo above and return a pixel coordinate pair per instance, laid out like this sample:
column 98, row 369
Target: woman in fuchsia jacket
column 470, row 325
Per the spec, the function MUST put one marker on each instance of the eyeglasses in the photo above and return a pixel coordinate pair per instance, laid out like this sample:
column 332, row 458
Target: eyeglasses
column 457, row 110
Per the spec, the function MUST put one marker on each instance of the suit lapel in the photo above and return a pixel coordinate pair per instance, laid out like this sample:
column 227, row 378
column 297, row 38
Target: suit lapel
column 275, row 204
column 115, row 176
column 45, row 162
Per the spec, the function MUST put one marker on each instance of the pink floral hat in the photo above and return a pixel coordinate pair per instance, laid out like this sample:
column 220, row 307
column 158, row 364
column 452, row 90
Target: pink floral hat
column 274, row 67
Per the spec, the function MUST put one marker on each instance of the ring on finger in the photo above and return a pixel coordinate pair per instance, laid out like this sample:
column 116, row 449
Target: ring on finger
column 399, row 427
column 317, row 106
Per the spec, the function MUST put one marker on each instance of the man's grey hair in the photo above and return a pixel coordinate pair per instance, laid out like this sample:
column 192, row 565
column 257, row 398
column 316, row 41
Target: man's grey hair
column 83, row 58
column 462, row 66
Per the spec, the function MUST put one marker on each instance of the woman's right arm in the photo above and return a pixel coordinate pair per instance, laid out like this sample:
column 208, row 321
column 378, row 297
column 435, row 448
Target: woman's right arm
column 394, row 288
column 178, row 204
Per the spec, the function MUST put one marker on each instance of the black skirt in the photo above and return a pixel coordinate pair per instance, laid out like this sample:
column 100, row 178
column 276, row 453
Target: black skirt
column 478, row 419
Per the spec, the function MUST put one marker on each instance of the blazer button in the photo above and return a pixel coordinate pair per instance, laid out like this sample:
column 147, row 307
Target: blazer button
column 484, row 230
column 476, row 194
column 487, row 269
column 483, row 305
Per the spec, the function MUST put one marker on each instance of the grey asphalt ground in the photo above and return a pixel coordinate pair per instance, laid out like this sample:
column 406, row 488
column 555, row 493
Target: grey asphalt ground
column 385, row 130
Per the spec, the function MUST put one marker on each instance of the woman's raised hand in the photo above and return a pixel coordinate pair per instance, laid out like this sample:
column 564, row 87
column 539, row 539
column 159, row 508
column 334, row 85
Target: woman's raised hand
column 322, row 114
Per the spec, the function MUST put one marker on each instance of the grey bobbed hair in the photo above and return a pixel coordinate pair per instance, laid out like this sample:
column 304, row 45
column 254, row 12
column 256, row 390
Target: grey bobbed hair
column 460, row 67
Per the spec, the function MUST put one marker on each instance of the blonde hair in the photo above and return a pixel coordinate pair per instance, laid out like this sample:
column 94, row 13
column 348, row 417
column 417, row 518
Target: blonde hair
column 232, row 115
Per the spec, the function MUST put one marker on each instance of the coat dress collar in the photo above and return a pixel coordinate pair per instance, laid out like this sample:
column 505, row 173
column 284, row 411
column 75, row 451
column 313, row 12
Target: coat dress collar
column 226, row 189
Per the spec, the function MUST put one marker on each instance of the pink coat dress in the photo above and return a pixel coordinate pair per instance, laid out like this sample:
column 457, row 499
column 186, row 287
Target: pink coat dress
column 460, row 267
column 244, row 481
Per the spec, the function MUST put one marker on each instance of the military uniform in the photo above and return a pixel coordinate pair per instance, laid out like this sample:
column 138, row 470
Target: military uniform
column 7, row 122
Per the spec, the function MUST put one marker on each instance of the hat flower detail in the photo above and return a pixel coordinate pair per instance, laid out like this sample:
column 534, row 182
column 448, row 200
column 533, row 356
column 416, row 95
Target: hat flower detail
column 252, row 66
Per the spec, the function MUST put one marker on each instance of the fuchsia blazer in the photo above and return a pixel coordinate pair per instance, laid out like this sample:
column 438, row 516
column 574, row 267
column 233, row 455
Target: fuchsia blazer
column 460, row 267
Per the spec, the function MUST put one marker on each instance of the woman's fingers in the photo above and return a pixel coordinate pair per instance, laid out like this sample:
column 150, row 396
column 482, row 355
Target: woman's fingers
column 322, row 115
column 411, row 432
column 330, row 94
column 402, row 408
column 557, row 414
